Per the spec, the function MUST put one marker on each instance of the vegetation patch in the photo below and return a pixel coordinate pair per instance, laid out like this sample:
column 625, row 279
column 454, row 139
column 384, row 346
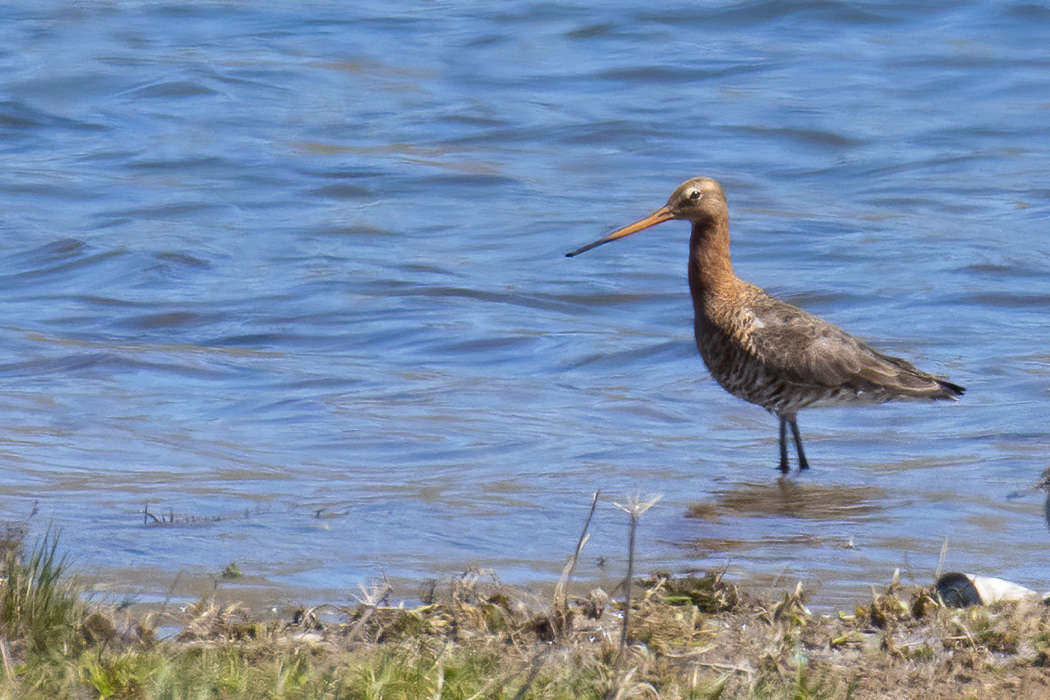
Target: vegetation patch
column 687, row 637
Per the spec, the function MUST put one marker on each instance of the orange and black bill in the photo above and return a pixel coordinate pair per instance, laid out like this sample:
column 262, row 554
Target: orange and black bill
column 657, row 217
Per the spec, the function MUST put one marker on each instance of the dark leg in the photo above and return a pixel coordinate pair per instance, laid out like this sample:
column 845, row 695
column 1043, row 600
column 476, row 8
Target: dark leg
column 802, row 463
column 783, row 446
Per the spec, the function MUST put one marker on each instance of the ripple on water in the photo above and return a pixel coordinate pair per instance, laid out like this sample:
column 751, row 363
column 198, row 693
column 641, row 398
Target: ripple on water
column 311, row 261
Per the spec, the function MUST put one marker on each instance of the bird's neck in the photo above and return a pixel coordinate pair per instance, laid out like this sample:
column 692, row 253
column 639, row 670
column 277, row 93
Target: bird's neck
column 710, row 270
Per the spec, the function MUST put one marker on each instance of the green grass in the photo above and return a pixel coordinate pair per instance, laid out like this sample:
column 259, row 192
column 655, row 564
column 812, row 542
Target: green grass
column 401, row 673
column 38, row 604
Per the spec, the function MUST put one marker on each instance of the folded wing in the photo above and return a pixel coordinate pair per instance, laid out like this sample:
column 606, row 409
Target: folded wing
column 810, row 351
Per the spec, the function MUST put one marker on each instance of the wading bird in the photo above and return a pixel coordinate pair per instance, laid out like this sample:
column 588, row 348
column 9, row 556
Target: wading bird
column 767, row 351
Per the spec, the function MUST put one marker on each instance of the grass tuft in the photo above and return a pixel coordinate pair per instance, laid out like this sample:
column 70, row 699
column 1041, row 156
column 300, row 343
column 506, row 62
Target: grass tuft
column 38, row 606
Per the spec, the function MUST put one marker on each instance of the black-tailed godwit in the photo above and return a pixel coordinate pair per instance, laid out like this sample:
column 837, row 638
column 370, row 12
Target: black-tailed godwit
column 767, row 351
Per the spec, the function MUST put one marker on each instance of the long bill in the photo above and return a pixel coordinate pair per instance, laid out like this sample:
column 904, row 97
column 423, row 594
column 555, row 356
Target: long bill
column 657, row 217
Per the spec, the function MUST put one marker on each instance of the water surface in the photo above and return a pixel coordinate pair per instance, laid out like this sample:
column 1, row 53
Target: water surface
column 301, row 269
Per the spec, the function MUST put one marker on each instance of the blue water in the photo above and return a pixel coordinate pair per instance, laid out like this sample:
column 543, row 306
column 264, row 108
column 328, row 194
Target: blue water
column 300, row 268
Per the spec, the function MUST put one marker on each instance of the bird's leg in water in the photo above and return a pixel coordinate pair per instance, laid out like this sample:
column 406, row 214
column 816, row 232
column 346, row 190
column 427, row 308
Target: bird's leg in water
column 802, row 463
column 784, row 446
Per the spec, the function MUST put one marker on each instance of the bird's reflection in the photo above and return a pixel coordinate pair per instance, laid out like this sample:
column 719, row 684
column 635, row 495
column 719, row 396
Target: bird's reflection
column 793, row 499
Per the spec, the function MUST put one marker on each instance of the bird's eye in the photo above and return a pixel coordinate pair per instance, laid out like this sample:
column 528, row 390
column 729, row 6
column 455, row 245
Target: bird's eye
column 694, row 195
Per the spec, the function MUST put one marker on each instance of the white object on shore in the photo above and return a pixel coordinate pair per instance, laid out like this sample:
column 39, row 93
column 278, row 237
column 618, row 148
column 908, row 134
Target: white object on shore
column 958, row 590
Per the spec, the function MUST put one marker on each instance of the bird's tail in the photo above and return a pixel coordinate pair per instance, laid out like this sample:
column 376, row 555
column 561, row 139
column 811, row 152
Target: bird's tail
column 913, row 383
column 951, row 391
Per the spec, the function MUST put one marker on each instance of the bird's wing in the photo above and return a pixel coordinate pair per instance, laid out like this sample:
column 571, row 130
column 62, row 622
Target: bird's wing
column 813, row 351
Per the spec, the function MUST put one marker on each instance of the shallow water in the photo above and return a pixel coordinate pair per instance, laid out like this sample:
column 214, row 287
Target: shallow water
column 301, row 269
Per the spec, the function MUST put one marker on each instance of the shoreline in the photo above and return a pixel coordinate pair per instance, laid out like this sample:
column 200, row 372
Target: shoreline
column 471, row 636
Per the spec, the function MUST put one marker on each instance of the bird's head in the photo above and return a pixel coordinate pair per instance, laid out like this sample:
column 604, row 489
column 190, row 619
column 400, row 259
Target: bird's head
column 700, row 200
